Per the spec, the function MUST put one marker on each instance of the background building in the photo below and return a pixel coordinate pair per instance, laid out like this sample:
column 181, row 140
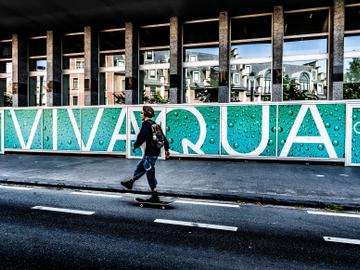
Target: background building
column 90, row 52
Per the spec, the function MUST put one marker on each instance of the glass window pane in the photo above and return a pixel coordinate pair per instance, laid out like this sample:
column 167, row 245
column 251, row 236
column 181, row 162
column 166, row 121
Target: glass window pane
column 5, row 49
column 37, row 65
column 73, row 62
column 201, row 54
column 352, row 78
column 251, row 50
column 6, row 89
column 112, row 60
column 154, row 57
column 112, row 88
column 309, row 22
column 352, row 43
column 250, row 82
column 155, row 85
column 254, row 27
column 73, row 44
column 352, row 18
column 37, row 47
column 155, row 36
column 201, row 32
column 305, row 47
column 201, row 84
column 112, row 40
column 6, row 67
column 305, row 80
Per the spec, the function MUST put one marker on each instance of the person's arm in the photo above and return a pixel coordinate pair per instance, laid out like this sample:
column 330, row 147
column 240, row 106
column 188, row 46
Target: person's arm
column 142, row 136
column 166, row 147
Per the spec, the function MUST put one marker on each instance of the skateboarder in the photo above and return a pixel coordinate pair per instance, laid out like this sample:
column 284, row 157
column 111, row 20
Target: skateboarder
column 152, row 134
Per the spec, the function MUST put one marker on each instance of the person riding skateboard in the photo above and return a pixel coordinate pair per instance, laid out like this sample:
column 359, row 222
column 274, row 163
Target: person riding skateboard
column 152, row 134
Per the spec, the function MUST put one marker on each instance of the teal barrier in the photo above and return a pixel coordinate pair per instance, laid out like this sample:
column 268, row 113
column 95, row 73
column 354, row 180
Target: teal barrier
column 300, row 131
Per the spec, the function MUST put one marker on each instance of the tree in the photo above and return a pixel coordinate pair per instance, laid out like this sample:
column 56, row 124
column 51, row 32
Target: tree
column 352, row 80
column 292, row 91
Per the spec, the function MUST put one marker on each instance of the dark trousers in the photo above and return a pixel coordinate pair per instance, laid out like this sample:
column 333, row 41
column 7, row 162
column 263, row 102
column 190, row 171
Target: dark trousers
column 146, row 166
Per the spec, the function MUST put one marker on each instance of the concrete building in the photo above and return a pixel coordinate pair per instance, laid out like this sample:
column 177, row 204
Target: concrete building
column 100, row 52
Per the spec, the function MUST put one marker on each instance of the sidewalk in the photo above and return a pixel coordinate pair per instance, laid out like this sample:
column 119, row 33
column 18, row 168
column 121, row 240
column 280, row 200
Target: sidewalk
column 315, row 185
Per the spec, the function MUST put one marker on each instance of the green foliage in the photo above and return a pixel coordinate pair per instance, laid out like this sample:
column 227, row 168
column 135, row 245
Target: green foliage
column 156, row 99
column 292, row 91
column 7, row 100
column 352, row 80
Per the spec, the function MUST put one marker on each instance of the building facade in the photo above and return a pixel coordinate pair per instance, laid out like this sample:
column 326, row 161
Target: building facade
column 273, row 51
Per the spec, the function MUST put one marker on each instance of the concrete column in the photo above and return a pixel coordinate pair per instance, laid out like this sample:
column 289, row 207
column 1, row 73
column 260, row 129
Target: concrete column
column 336, row 53
column 176, row 94
column 91, row 66
column 53, row 72
column 278, row 41
column 132, row 95
column 224, row 55
column 19, row 71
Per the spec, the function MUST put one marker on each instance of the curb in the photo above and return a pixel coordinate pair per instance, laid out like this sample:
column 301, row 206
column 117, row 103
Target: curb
column 239, row 198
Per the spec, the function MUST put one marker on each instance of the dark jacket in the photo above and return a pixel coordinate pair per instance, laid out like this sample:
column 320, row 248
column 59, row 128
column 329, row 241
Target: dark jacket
column 145, row 135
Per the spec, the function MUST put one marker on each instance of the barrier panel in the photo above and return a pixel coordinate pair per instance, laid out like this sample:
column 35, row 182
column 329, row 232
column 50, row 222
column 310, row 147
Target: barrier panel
column 292, row 130
column 353, row 135
column 1, row 131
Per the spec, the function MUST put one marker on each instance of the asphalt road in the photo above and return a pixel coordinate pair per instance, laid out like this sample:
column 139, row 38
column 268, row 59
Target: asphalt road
column 107, row 231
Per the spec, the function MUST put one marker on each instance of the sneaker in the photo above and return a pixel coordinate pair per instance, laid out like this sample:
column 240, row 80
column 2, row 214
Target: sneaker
column 154, row 198
column 128, row 183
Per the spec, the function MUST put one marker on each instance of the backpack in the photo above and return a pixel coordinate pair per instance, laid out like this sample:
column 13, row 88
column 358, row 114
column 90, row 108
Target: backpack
column 158, row 138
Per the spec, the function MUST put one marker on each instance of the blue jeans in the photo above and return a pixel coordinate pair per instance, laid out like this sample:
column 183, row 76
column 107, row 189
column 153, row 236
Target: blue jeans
column 146, row 165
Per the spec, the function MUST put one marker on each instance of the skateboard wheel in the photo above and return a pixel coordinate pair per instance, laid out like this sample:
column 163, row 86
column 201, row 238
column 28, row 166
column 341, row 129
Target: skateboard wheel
column 163, row 207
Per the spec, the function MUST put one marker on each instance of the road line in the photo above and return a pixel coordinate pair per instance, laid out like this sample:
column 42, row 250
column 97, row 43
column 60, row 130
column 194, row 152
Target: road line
column 96, row 194
column 63, row 210
column 342, row 240
column 207, row 203
column 333, row 214
column 17, row 188
column 195, row 224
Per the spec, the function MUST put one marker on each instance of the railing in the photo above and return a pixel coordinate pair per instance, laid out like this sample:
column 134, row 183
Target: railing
column 313, row 130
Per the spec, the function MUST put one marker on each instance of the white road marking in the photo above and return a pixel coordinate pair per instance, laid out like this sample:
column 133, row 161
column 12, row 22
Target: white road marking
column 207, row 203
column 333, row 214
column 96, row 194
column 17, row 188
column 344, row 175
column 63, row 210
column 320, row 175
column 342, row 240
column 195, row 224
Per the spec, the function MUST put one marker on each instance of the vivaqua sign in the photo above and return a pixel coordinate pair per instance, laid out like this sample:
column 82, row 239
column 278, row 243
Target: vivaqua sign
column 300, row 131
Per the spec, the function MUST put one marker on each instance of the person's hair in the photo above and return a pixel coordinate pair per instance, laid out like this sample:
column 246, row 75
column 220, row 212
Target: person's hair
column 148, row 111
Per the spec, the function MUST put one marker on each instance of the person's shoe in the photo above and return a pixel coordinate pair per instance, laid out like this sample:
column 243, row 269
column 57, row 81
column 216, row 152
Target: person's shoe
column 153, row 199
column 128, row 183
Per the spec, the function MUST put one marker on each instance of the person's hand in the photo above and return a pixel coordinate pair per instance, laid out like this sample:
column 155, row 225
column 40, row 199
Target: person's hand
column 167, row 154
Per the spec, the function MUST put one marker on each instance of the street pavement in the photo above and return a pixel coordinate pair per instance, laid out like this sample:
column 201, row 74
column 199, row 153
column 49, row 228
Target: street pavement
column 299, row 184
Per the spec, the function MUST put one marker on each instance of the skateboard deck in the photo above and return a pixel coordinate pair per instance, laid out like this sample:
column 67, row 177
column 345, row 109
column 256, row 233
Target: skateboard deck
column 162, row 204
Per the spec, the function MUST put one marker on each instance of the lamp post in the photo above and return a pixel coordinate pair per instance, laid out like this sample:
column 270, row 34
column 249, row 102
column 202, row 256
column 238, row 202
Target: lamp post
column 251, row 81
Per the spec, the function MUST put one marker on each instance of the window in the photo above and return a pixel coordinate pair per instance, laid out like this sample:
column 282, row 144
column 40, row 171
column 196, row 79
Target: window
column 154, row 69
column 251, row 56
column 352, row 53
column 236, row 78
column 75, row 101
column 196, row 76
column 75, row 83
column 305, row 55
column 152, row 74
column 201, row 60
column 112, row 66
column 304, row 82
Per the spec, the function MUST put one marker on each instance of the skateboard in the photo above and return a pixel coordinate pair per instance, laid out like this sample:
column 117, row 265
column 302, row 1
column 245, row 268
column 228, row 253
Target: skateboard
column 162, row 204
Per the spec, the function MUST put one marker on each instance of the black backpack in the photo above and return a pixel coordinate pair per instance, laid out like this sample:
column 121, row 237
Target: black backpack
column 158, row 138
